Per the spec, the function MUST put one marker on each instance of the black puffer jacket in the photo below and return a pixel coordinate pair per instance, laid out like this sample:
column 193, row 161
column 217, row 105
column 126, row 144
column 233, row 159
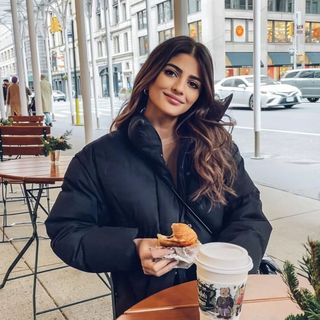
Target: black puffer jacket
column 118, row 189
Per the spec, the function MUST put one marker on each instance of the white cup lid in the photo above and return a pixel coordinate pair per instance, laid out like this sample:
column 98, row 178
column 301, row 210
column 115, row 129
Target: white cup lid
column 224, row 257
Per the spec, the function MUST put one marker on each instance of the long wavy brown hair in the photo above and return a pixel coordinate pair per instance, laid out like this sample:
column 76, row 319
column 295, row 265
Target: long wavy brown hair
column 212, row 156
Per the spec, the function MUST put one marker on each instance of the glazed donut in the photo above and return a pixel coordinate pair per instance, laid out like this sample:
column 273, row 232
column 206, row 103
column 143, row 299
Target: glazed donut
column 182, row 236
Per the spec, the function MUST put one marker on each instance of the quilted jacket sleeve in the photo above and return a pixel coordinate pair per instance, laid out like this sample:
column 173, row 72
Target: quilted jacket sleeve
column 80, row 227
column 244, row 222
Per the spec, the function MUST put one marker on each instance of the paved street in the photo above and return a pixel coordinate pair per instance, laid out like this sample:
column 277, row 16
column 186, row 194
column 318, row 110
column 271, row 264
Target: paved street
column 290, row 145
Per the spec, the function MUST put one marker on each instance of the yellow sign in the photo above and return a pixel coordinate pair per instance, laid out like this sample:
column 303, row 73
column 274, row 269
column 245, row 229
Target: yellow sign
column 55, row 25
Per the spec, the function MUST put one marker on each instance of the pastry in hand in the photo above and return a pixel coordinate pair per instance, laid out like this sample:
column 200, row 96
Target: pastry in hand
column 182, row 236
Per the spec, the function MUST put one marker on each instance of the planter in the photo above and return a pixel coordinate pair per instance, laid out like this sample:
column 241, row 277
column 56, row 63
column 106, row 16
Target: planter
column 54, row 156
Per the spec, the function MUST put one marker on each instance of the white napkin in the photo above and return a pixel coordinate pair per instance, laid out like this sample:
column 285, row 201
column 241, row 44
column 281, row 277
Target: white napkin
column 185, row 255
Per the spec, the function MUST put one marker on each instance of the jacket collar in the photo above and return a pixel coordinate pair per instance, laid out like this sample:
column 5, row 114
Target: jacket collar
column 145, row 138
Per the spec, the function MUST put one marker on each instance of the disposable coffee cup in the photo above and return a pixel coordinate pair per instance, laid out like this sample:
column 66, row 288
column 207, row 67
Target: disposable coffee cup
column 222, row 272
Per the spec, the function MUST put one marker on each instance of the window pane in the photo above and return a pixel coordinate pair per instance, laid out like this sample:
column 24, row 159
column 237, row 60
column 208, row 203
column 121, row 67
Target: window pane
column 143, row 45
column 270, row 31
column 194, row 6
column 280, row 31
column 250, row 30
column 228, row 30
column 195, row 30
column 306, row 74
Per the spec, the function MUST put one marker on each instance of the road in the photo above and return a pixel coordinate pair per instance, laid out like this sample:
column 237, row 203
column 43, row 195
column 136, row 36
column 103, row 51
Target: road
column 290, row 146
column 290, row 143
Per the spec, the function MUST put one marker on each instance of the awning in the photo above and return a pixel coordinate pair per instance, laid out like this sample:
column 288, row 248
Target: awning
column 239, row 59
column 314, row 58
column 280, row 58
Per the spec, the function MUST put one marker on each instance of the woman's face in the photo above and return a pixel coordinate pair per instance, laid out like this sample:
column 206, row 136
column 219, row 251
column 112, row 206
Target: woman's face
column 176, row 88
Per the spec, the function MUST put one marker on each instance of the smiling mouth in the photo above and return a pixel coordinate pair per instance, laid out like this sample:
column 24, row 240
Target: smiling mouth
column 172, row 99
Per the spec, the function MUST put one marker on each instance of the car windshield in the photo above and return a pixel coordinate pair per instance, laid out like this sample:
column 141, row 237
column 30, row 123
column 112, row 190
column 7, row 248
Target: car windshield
column 264, row 80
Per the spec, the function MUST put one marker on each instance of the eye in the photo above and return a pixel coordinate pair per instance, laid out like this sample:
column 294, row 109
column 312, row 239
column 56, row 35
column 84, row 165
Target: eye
column 170, row 72
column 194, row 84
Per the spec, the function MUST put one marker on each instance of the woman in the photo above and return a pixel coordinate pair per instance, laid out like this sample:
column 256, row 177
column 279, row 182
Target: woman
column 169, row 150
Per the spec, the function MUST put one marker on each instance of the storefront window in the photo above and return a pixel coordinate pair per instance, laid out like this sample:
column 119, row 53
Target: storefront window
column 312, row 32
column 195, row 30
column 313, row 6
column 280, row 31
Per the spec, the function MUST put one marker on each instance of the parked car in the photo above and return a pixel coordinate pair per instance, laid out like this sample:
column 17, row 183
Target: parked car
column 273, row 94
column 58, row 95
column 307, row 80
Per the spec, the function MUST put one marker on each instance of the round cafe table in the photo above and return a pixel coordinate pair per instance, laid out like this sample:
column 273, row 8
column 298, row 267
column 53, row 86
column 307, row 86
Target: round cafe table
column 32, row 171
column 266, row 298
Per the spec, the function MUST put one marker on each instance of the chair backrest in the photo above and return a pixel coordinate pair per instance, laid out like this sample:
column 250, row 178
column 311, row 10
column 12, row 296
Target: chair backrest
column 27, row 120
column 22, row 140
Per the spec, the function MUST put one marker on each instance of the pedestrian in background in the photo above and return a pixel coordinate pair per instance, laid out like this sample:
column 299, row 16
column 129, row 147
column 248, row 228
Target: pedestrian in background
column 46, row 98
column 5, row 86
column 13, row 98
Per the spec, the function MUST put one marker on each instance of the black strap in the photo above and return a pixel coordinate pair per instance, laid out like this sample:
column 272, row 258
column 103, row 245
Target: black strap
column 191, row 211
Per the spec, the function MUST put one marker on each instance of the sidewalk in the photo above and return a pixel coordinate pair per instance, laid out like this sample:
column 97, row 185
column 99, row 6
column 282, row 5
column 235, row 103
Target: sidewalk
column 294, row 218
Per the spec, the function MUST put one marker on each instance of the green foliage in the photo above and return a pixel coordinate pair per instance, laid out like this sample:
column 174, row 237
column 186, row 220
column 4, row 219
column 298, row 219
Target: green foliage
column 309, row 302
column 56, row 143
column 6, row 122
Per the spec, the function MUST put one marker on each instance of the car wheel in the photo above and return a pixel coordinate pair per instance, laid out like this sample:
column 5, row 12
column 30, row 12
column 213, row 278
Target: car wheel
column 313, row 99
column 251, row 102
column 289, row 106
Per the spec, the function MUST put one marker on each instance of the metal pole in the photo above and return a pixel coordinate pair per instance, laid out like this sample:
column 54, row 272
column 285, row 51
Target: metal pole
column 69, row 81
column 84, row 70
column 19, row 62
column 34, row 57
column 24, row 58
column 67, row 61
column 151, row 41
column 257, row 74
column 295, row 35
column 109, row 56
column 76, row 94
column 180, row 18
column 93, row 64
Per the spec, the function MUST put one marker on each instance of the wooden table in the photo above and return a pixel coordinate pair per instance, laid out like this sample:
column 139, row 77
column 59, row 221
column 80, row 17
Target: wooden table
column 266, row 298
column 32, row 170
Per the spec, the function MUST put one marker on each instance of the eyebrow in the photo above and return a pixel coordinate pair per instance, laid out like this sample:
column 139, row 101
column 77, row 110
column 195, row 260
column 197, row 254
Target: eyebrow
column 180, row 71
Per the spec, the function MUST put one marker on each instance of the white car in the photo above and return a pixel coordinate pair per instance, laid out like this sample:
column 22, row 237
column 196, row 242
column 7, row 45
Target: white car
column 58, row 95
column 273, row 94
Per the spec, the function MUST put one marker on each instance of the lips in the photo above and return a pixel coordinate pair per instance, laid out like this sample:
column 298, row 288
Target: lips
column 173, row 99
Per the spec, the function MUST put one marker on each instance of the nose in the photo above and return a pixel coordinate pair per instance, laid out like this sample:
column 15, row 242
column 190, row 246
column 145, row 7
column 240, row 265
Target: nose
column 178, row 86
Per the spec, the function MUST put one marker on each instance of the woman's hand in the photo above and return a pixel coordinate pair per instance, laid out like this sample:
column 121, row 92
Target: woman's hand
column 151, row 257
